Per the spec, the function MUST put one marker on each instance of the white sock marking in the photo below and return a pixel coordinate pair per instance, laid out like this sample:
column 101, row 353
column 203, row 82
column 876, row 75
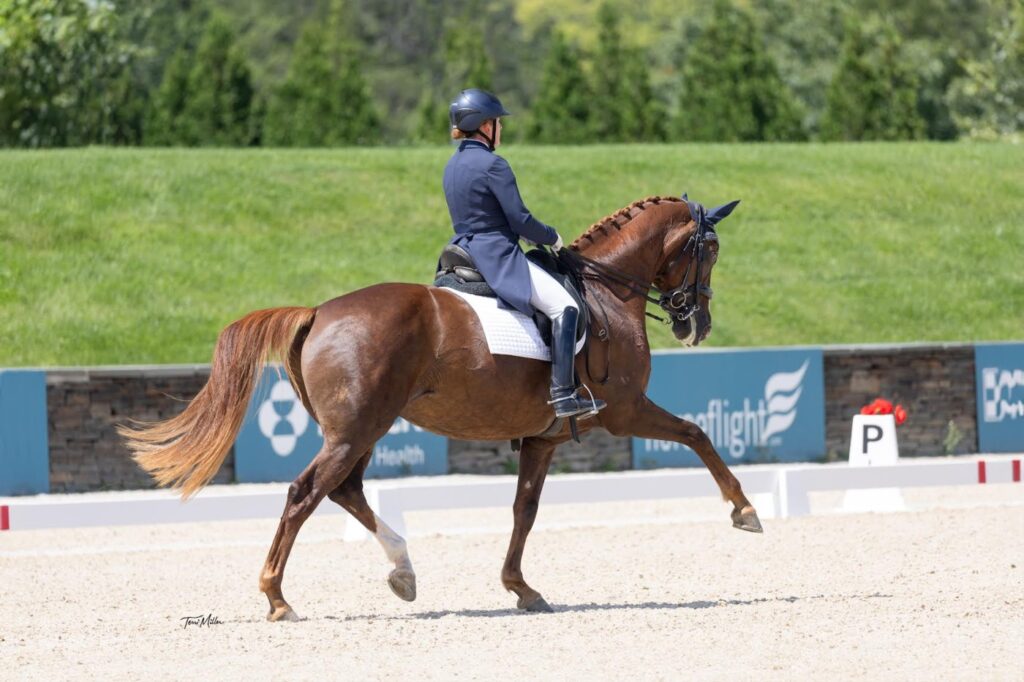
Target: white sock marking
column 393, row 544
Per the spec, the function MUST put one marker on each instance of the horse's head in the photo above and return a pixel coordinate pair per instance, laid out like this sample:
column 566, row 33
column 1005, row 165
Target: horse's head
column 684, row 277
column 671, row 249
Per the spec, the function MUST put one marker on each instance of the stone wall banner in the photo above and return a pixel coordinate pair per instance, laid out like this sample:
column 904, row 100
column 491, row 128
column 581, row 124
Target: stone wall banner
column 999, row 371
column 24, row 450
column 754, row 405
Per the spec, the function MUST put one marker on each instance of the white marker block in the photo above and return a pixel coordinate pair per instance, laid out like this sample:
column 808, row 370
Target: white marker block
column 873, row 440
column 873, row 443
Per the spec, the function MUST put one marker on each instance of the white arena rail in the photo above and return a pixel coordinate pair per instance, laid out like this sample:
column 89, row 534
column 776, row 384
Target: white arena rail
column 797, row 481
column 786, row 485
column 391, row 499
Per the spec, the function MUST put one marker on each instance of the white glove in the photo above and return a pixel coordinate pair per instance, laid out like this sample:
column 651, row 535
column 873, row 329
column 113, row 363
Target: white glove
column 557, row 246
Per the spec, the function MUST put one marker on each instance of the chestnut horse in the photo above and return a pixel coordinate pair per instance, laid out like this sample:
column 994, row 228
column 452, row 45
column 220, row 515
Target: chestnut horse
column 361, row 360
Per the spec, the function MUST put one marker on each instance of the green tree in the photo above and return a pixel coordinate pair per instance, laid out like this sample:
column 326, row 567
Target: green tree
column 873, row 94
column 160, row 29
column 207, row 97
column 163, row 122
column 987, row 102
column 624, row 104
column 803, row 39
column 126, row 115
column 220, row 93
column 63, row 70
column 644, row 113
column 431, row 120
column 467, row 64
column 938, row 37
column 609, row 98
column 731, row 87
column 359, row 122
column 561, row 112
column 324, row 101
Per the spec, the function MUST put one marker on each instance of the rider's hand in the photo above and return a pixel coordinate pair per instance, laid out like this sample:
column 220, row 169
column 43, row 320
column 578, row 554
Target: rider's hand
column 557, row 246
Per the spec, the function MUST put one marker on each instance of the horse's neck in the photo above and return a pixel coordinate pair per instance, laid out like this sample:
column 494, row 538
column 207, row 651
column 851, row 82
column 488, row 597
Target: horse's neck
column 635, row 252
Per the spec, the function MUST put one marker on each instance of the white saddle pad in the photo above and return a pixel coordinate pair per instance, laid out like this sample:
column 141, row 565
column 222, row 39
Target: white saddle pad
column 509, row 332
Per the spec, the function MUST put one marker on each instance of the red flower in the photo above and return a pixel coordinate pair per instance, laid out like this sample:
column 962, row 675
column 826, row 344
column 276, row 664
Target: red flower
column 883, row 406
column 880, row 406
column 900, row 414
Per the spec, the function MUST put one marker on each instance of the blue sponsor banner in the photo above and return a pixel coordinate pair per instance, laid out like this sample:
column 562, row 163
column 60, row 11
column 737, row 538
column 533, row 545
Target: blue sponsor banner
column 279, row 438
column 24, row 444
column 999, row 377
column 754, row 405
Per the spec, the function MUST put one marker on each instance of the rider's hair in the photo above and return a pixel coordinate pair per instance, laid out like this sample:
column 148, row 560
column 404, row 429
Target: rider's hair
column 462, row 134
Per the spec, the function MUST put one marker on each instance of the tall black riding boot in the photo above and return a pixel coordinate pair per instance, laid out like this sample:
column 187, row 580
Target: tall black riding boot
column 564, row 398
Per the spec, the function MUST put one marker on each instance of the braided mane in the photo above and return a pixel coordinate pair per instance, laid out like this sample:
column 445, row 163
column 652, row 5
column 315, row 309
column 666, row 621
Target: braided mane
column 619, row 219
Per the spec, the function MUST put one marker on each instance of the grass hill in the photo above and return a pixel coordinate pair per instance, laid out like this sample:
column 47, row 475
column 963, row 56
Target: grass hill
column 111, row 256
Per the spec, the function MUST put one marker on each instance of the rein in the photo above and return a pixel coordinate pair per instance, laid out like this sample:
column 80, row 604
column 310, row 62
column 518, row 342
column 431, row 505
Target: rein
column 681, row 303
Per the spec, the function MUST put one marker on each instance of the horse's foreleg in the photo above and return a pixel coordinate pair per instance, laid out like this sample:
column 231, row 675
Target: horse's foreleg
column 652, row 421
column 402, row 579
column 534, row 460
column 327, row 470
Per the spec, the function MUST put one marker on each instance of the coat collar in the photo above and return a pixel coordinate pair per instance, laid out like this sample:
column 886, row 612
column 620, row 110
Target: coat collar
column 473, row 143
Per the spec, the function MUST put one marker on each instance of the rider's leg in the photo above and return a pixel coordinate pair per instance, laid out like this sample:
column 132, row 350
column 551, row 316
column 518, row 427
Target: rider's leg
column 551, row 299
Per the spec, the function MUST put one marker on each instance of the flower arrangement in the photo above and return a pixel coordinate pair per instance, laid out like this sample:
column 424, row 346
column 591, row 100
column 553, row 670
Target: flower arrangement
column 883, row 406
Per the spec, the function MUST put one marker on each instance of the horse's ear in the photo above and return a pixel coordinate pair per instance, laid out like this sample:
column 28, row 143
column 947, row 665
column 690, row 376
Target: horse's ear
column 719, row 213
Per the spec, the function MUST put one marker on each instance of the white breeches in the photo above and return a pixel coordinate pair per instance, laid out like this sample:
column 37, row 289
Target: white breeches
column 549, row 297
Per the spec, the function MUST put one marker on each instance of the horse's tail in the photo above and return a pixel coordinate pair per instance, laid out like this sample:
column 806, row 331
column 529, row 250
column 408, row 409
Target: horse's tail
column 185, row 451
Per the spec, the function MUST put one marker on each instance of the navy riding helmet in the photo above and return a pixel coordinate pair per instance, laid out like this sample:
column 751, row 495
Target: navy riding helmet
column 472, row 107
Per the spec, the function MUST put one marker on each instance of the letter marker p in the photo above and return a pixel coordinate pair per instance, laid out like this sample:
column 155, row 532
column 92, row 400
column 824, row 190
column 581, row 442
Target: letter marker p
column 872, row 434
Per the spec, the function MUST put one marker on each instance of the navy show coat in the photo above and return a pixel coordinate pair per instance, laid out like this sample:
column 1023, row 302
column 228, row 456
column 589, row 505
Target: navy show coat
column 489, row 218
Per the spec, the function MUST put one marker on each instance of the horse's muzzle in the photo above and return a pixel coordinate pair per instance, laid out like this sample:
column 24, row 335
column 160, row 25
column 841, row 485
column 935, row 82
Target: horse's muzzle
column 693, row 330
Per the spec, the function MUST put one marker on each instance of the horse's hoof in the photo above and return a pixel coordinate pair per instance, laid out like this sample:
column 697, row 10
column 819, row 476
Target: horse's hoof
column 746, row 519
column 403, row 583
column 537, row 605
column 282, row 613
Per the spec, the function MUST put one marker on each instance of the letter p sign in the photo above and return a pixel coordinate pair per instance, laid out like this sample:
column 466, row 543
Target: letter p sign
column 873, row 440
column 872, row 434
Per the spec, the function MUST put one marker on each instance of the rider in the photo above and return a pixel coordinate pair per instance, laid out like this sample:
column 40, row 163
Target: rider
column 489, row 219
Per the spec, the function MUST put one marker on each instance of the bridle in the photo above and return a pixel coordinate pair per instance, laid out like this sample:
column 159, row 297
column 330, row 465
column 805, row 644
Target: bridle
column 681, row 303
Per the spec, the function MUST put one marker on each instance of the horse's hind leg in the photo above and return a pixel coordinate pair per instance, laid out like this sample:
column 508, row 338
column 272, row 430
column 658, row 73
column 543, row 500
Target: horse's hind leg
column 533, row 469
column 402, row 579
column 325, row 473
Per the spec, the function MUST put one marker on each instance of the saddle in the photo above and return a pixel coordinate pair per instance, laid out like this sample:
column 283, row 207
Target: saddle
column 456, row 270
